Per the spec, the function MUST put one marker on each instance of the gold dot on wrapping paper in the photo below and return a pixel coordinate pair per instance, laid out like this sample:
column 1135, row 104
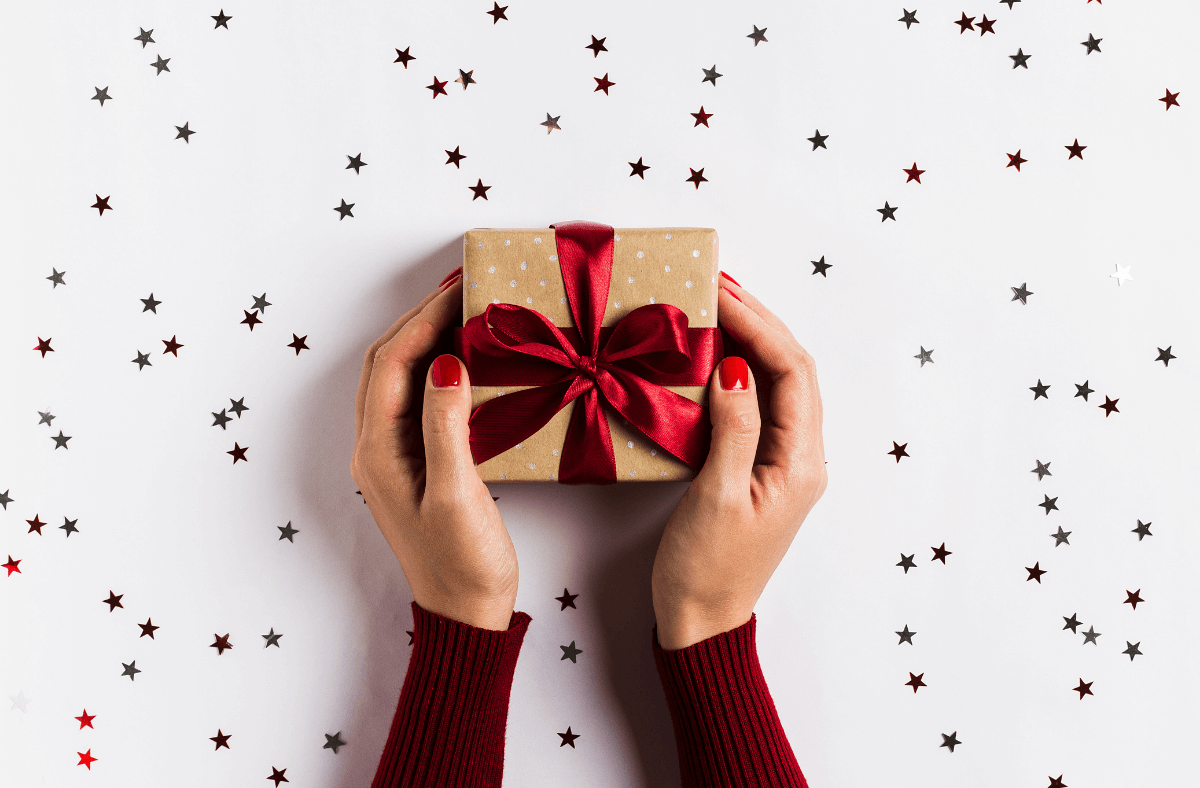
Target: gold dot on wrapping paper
column 667, row 268
column 474, row 285
column 688, row 283
column 519, row 445
column 703, row 313
column 629, row 444
column 554, row 476
column 562, row 300
column 554, row 258
column 480, row 244
column 491, row 269
column 633, row 473
column 499, row 393
column 504, row 476
column 631, row 280
column 668, row 235
column 695, row 253
column 617, row 304
column 532, row 465
column 554, row 452
column 641, row 255
column 495, row 300
column 654, row 452
column 513, row 283
column 524, row 265
column 537, row 240
column 507, row 242
column 616, row 237
column 542, row 283
column 664, row 473
column 652, row 299
column 528, row 300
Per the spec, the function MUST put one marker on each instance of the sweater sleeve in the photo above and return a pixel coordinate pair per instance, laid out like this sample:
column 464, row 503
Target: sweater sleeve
column 727, row 731
column 449, row 725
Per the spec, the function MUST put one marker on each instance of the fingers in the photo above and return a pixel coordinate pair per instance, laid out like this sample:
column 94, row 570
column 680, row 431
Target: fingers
column 733, row 406
column 794, row 405
column 389, row 393
column 747, row 298
column 446, row 411
column 369, row 360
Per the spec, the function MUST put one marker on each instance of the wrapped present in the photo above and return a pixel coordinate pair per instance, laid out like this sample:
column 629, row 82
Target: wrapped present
column 589, row 351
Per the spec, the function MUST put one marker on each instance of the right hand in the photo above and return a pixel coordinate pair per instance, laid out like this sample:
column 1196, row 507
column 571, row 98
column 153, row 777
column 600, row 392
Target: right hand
column 762, row 477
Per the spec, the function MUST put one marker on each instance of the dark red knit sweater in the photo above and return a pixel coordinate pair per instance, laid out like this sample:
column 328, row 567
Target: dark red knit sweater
column 449, row 724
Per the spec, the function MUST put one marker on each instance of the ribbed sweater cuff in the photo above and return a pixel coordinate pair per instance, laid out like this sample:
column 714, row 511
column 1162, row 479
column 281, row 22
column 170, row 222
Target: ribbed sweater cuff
column 727, row 731
column 450, row 722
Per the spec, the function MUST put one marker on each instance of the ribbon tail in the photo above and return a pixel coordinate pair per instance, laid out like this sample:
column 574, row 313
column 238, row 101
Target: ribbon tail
column 504, row 421
column 671, row 420
column 587, row 454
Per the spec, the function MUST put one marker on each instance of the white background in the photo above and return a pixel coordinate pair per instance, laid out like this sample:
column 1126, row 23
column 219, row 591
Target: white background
column 281, row 98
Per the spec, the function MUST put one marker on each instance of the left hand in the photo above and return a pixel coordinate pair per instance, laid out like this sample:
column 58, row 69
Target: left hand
column 412, row 461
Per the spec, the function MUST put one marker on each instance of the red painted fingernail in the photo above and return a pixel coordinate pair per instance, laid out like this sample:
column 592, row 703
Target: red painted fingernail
column 731, row 279
column 451, row 275
column 734, row 374
column 727, row 290
column 445, row 371
column 446, row 285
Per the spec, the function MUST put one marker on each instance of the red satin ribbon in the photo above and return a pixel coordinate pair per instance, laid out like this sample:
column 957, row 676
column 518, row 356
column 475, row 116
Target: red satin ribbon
column 624, row 366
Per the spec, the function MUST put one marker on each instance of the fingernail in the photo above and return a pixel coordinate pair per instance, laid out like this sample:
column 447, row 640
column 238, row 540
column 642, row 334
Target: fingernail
column 735, row 295
column 731, row 279
column 450, row 283
column 445, row 371
column 451, row 275
column 734, row 374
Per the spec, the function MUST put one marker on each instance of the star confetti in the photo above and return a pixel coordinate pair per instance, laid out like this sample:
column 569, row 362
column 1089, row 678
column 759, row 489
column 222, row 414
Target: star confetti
column 35, row 525
column 454, row 157
column 597, row 46
column 1165, row 356
column 1042, row 469
column 888, row 211
column 221, row 739
column 1021, row 293
column 113, row 601
column 479, row 190
column 1171, row 99
column 1083, row 390
column 1075, row 150
column 56, row 277
column 940, row 553
column 43, row 345
column 1110, row 406
column 131, row 670
column 697, row 177
column 60, row 440
column 238, row 406
column 12, row 566
column 221, row 20
column 711, row 75
column 818, row 140
column 914, row 681
column 906, row 636
column 898, row 450
column 297, row 343
column 404, row 58
column 183, row 132
column 1048, row 503
column 1121, row 274
column 147, row 629
column 604, row 83
column 1020, row 59
column 1092, row 44
column 272, row 639
column 277, row 774
column 497, row 12
column 1015, row 160
column 909, row 19
column 465, row 78
column 1090, row 637
column 438, row 87
column 1084, row 688
column 221, row 643
column 69, row 527
column 1142, row 530
column 150, row 304
column 102, row 205
column 144, row 36
column 344, row 210
column 333, row 742
column 1040, row 390
column 820, row 267
column 701, row 118
column 1133, row 597
column 85, row 721
column 356, row 164
column 566, row 600
column 238, row 453
column 172, row 346
column 926, row 356
column 906, row 562
column 142, row 360
column 251, row 318
column 638, row 169
column 86, row 759
column 1132, row 649
column 287, row 532
column 568, row 738
column 160, row 64
column 950, row 741
column 551, row 123
column 758, row 35
column 1035, row 573
column 570, row 652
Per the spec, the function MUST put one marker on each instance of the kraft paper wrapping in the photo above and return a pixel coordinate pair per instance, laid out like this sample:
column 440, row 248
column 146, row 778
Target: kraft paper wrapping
column 666, row 265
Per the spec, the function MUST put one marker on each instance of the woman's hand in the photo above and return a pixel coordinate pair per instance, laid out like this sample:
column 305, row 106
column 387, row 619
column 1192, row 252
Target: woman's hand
column 412, row 462
column 761, row 478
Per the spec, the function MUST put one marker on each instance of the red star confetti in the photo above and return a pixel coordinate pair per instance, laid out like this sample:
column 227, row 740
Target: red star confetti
column 1171, row 99
column 238, row 453
column 1015, row 160
column 173, row 346
column 86, row 759
column 1084, row 688
column 914, row 174
column 697, row 177
column 251, row 319
column 898, row 450
column 221, row 643
column 1133, row 597
column 102, row 202
column 438, row 87
column 1110, row 406
column 85, row 721
column 11, row 566
column 603, row 83
column 297, row 343
column 44, row 346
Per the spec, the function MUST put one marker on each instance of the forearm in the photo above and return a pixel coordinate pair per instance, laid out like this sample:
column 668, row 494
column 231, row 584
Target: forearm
column 727, row 731
column 449, row 725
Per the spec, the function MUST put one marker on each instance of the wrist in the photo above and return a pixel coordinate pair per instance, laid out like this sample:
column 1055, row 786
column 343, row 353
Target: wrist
column 678, row 630
column 482, row 614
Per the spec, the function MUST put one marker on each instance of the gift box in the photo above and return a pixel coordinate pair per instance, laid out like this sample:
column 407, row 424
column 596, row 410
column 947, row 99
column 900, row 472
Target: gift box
column 589, row 351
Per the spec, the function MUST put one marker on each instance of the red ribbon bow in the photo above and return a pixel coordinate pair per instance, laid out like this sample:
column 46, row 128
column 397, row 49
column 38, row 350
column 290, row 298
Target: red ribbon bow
column 626, row 366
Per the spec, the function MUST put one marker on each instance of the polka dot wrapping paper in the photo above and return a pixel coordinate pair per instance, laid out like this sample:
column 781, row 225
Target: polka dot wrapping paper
column 664, row 265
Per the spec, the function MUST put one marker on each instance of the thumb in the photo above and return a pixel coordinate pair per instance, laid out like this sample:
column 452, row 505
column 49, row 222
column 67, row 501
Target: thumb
column 449, row 467
column 733, row 406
